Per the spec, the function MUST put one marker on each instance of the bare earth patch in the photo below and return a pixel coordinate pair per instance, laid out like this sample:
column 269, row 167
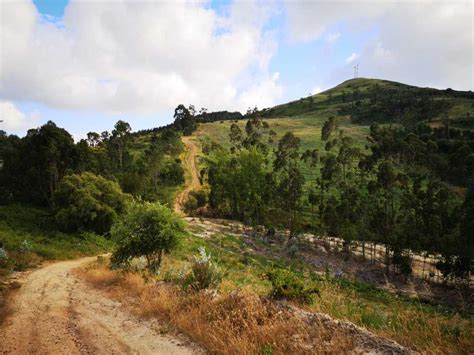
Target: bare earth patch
column 53, row 312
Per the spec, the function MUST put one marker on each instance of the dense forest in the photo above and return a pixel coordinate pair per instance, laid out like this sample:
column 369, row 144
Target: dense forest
column 410, row 189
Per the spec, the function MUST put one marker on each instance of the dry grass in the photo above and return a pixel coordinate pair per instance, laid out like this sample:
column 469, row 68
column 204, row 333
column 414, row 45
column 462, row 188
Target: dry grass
column 238, row 323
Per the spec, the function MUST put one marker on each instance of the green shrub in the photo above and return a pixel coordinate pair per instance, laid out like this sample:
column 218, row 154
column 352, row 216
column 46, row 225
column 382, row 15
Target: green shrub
column 287, row 285
column 172, row 173
column 293, row 248
column 200, row 196
column 203, row 274
column 149, row 230
column 3, row 258
column 88, row 202
column 196, row 199
column 271, row 231
column 191, row 204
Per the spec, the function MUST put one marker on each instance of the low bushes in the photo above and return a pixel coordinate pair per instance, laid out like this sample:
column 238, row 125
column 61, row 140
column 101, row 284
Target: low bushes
column 203, row 274
column 287, row 285
column 237, row 323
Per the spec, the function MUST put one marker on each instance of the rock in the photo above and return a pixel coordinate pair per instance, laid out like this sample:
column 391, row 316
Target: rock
column 321, row 249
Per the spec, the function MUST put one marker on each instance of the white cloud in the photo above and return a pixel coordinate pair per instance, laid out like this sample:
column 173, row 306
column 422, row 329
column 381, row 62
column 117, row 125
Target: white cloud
column 332, row 37
column 262, row 93
column 427, row 43
column 352, row 58
column 310, row 19
column 137, row 57
column 13, row 119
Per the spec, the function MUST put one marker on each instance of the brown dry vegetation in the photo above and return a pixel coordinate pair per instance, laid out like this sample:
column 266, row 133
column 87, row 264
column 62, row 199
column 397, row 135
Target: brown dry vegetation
column 239, row 323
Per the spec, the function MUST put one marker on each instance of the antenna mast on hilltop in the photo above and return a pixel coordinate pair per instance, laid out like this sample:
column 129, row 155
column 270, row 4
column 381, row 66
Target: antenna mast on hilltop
column 356, row 71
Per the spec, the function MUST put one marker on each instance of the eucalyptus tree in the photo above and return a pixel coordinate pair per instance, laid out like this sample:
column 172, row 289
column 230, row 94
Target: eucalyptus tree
column 291, row 180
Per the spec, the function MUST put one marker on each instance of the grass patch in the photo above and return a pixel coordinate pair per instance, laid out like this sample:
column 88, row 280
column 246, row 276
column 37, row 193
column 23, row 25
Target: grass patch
column 20, row 223
column 418, row 325
column 237, row 323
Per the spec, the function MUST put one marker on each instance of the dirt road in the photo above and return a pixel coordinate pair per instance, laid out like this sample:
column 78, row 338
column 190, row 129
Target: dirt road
column 193, row 183
column 55, row 313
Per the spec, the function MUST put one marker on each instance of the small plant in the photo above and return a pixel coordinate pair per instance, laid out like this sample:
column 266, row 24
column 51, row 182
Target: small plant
column 3, row 258
column 287, row 285
column 25, row 247
column 271, row 231
column 203, row 274
column 174, row 275
column 23, row 257
column 293, row 249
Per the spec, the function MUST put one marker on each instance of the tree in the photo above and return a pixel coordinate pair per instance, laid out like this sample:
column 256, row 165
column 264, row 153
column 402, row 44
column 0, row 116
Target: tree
column 149, row 230
column 88, row 202
column 465, row 248
column 46, row 155
column 388, row 179
column 240, row 186
column 328, row 127
column 120, row 138
column 184, row 119
column 290, row 186
column 235, row 134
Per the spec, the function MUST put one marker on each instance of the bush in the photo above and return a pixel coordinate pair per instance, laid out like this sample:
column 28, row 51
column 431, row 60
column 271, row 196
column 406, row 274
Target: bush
column 20, row 257
column 3, row 258
column 200, row 196
column 287, row 285
column 203, row 274
column 191, row 204
column 172, row 173
column 196, row 199
column 271, row 231
column 149, row 230
column 293, row 248
column 403, row 262
column 88, row 202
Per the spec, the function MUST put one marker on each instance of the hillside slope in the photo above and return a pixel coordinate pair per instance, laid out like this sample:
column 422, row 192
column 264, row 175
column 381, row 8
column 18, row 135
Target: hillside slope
column 366, row 100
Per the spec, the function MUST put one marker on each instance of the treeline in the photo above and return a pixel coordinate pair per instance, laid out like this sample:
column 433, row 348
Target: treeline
column 392, row 193
column 389, row 102
column 144, row 163
column 382, row 105
column 33, row 166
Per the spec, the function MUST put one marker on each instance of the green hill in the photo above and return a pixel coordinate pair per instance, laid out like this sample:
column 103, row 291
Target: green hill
column 374, row 100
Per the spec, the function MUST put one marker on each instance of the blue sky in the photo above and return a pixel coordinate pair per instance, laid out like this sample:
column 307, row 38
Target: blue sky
column 86, row 65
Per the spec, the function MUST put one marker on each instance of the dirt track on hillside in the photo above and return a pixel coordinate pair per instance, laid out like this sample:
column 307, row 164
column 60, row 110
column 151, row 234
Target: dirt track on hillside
column 192, row 150
column 55, row 313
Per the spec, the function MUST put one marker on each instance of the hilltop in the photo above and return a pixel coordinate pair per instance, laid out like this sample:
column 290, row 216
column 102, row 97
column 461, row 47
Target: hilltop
column 375, row 100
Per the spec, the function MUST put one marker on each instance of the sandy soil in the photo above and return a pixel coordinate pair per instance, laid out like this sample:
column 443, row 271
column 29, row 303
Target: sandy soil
column 192, row 150
column 55, row 313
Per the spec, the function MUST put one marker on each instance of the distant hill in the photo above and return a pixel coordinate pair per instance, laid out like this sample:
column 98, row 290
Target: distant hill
column 373, row 100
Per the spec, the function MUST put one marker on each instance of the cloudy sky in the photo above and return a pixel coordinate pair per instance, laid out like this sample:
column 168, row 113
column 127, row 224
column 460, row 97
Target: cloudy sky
column 86, row 64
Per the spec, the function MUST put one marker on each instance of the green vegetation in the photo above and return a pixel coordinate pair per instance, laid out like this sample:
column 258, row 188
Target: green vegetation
column 287, row 285
column 29, row 236
column 203, row 274
column 77, row 187
column 419, row 325
column 87, row 202
column 367, row 161
column 373, row 100
column 148, row 230
column 395, row 190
